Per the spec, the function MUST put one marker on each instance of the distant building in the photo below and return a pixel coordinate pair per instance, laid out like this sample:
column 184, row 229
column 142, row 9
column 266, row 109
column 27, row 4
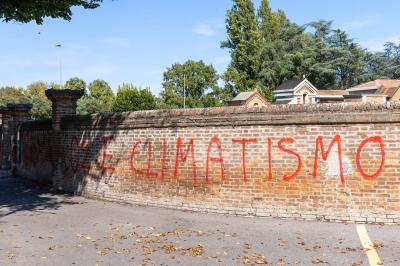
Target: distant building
column 249, row 98
column 303, row 92
column 380, row 90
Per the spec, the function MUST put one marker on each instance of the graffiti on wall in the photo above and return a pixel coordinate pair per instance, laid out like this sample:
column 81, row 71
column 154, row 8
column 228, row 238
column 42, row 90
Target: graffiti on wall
column 184, row 155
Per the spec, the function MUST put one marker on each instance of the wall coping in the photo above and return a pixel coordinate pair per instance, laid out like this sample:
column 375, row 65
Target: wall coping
column 16, row 107
column 19, row 107
column 64, row 92
column 40, row 125
column 273, row 115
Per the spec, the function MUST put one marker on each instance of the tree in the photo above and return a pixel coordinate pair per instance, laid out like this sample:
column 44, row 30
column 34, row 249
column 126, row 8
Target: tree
column 346, row 59
column 131, row 98
column 41, row 108
column 11, row 94
column 243, row 42
column 101, row 91
column 75, row 83
column 200, row 82
column 99, row 100
column 375, row 66
column 35, row 10
column 392, row 54
column 89, row 105
column 285, row 50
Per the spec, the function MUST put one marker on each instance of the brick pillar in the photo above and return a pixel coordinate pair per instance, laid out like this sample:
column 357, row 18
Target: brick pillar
column 4, row 149
column 12, row 116
column 64, row 103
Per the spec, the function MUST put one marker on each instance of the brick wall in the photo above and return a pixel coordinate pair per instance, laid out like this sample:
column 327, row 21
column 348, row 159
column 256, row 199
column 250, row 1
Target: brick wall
column 329, row 161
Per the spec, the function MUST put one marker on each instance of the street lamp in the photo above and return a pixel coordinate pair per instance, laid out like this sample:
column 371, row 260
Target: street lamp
column 59, row 58
column 184, row 91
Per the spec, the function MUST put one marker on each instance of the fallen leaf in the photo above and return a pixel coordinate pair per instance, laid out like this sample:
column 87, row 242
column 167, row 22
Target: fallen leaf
column 169, row 248
column 378, row 245
column 193, row 251
column 318, row 261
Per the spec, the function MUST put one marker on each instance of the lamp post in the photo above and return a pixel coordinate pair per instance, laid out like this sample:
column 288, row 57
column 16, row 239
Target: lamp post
column 60, row 64
column 184, row 91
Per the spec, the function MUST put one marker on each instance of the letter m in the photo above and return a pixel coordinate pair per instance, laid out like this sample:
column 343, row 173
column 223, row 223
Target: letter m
column 319, row 145
column 183, row 156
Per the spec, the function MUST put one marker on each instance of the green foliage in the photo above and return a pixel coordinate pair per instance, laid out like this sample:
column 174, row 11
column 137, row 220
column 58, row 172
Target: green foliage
column 244, row 40
column 101, row 91
column 11, row 94
column 99, row 100
column 392, row 55
column 41, row 108
column 131, row 98
column 271, row 50
column 285, row 50
column 75, row 83
column 35, row 10
column 200, row 81
column 89, row 105
column 55, row 86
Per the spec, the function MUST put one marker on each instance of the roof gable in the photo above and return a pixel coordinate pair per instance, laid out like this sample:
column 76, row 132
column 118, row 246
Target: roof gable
column 305, row 83
column 288, row 85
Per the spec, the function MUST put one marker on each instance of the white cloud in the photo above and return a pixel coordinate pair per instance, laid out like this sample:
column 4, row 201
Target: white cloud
column 377, row 45
column 204, row 29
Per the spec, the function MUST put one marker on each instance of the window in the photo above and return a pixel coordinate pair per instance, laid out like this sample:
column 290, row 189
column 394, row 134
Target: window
column 304, row 98
column 256, row 104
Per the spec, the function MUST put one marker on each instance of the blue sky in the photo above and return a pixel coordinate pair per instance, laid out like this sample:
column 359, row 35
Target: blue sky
column 135, row 41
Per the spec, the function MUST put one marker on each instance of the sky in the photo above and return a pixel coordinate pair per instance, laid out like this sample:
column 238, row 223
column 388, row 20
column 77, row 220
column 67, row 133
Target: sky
column 126, row 41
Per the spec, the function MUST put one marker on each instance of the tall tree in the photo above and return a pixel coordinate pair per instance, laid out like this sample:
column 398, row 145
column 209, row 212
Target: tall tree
column 101, row 91
column 244, row 39
column 131, row 98
column 35, row 10
column 99, row 99
column 285, row 49
column 197, row 80
column 346, row 59
column 41, row 108
column 392, row 54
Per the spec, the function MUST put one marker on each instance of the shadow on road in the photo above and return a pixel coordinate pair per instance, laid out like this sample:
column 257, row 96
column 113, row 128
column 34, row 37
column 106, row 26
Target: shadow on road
column 19, row 195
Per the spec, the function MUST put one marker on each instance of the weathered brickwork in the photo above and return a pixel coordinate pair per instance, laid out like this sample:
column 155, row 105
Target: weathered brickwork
column 330, row 162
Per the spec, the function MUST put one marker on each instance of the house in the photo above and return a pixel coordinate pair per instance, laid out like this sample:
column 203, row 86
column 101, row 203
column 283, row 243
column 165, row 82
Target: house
column 380, row 90
column 304, row 92
column 249, row 98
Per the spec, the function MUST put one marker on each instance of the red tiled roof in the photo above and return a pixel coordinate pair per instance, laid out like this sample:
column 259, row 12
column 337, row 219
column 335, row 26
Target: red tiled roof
column 390, row 92
column 385, row 83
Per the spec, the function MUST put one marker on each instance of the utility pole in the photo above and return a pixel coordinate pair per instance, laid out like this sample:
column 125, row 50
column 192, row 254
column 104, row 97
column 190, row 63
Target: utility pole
column 184, row 91
column 60, row 64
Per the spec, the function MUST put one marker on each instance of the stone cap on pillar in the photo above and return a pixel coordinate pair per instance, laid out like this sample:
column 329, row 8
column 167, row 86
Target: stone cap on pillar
column 63, row 103
column 16, row 111
column 56, row 94
column 19, row 107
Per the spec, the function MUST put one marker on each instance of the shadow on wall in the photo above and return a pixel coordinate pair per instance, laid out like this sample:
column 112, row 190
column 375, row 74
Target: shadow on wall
column 18, row 195
column 66, row 158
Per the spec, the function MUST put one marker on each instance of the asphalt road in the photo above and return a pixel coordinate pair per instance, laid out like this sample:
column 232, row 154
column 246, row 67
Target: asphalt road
column 38, row 227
